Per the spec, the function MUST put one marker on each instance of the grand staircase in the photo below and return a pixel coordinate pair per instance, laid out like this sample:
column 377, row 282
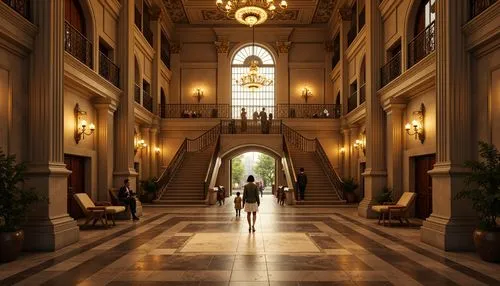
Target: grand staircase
column 186, row 185
column 319, row 190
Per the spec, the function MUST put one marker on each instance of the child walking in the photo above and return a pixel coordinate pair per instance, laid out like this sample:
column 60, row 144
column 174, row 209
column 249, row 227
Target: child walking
column 237, row 204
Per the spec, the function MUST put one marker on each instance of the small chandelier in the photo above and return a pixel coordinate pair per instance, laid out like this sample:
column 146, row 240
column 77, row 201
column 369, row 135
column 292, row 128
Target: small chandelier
column 253, row 80
column 250, row 12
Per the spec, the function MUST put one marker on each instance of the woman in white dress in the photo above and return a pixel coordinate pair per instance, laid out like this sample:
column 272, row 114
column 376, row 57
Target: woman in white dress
column 251, row 201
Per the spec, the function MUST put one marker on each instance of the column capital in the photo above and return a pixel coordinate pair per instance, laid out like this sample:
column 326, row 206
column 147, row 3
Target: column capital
column 175, row 47
column 392, row 105
column 107, row 104
column 345, row 14
column 283, row 46
column 222, row 46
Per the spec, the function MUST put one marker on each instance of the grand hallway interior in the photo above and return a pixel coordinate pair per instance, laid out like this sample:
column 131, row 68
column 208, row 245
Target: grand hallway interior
column 210, row 246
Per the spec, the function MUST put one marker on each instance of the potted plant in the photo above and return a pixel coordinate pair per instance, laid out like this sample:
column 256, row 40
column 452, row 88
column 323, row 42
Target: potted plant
column 14, row 203
column 385, row 196
column 349, row 186
column 149, row 189
column 482, row 188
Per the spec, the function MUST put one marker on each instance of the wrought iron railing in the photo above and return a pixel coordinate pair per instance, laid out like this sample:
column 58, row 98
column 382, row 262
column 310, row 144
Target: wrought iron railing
column 391, row 70
column 211, row 166
column 137, row 93
column 325, row 111
column 147, row 101
column 297, row 140
column 238, row 126
column 108, row 69
column 330, row 171
column 422, row 45
column 20, row 6
column 194, row 110
column 478, row 6
column 76, row 44
column 352, row 102
column 351, row 35
column 204, row 140
column 362, row 94
column 289, row 162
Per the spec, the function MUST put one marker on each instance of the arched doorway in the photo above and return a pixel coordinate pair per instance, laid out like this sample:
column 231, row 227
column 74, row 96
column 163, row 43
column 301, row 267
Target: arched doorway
column 244, row 98
column 260, row 165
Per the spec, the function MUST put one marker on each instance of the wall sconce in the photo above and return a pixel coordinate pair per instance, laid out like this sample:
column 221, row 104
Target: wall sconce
column 157, row 150
column 198, row 94
column 306, row 93
column 81, row 125
column 416, row 127
column 139, row 144
column 342, row 150
column 360, row 144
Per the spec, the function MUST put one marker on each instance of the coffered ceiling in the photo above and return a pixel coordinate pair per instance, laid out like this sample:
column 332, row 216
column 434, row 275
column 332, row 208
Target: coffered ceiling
column 204, row 12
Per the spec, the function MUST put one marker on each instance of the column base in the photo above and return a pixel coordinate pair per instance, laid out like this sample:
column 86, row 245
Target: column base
column 375, row 181
column 448, row 234
column 51, row 234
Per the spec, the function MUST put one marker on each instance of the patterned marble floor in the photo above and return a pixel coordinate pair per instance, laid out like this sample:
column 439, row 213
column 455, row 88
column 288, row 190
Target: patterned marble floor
column 210, row 246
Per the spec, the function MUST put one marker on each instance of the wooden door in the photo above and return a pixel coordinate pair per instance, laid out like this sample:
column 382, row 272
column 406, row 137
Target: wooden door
column 76, row 183
column 423, row 185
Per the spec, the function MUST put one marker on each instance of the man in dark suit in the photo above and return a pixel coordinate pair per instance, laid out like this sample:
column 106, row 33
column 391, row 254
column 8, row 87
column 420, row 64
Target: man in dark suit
column 127, row 197
column 301, row 183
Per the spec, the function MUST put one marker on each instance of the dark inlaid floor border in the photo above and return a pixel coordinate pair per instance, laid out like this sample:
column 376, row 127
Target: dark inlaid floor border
column 418, row 272
column 443, row 260
column 13, row 279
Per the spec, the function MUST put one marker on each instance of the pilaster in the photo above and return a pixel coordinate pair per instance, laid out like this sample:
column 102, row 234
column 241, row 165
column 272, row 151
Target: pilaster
column 452, row 221
column 105, row 152
column 156, row 28
column 282, row 74
column 49, row 227
column 223, row 71
column 175, row 64
column 394, row 126
column 345, row 22
column 153, row 136
column 375, row 173
column 329, row 97
column 145, row 153
column 124, row 144
column 354, row 153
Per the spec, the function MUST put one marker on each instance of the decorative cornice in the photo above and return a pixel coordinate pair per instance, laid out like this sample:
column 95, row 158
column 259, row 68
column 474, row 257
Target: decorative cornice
column 345, row 14
column 481, row 28
column 283, row 47
column 16, row 30
column 386, row 7
column 222, row 46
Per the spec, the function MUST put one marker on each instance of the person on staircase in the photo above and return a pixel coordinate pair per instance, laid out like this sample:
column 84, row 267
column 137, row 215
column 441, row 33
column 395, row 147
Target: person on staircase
column 301, row 183
column 127, row 197
column 251, row 201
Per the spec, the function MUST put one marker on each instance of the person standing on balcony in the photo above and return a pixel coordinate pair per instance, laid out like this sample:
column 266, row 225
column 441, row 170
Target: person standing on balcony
column 251, row 201
column 263, row 120
column 301, row 183
column 243, row 120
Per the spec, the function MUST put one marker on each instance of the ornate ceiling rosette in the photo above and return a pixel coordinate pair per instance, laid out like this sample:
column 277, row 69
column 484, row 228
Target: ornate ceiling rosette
column 217, row 15
column 176, row 11
column 324, row 11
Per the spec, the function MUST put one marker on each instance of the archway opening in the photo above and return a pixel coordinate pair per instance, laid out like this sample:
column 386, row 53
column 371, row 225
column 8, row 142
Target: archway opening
column 260, row 165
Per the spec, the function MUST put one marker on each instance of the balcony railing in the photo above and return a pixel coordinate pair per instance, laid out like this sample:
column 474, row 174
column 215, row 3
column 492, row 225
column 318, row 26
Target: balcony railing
column 351, row 35
column 238, row 126
column 422, row 45
column 77, row 45
column 147, row 101
column 352, row 102
column 194, row 110
column 391, row 70
column 362, row 94
column 20, row 6
column 324, row 111
column 137, row 94
column 108, row 69
column 478, row 6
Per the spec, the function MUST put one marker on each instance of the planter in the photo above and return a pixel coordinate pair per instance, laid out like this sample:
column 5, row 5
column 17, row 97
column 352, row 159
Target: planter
column 350, row 197
column 488, row 244
column 11, row 244
column 148, row 197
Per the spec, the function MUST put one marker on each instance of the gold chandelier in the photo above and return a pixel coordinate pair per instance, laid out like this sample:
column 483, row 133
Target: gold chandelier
column 250, row 12
column 253, row 80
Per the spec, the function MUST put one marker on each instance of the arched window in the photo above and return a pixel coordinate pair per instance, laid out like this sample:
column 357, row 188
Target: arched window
column 73, row 14
column 426, row 15
column 423, row 42
column 244, row 98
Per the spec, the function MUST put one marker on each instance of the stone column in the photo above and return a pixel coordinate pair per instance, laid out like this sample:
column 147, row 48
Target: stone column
column 452, row 221
column 153, row 136
column 375, row 173
column 354, row 156
column 105, row 152
column 124, row 143
column 395, row 141
column 156, row 28
column 49, row 227
column 175, row 65
column 223, row 71
column 145, row 153
column 282, row 80
column 345, row 22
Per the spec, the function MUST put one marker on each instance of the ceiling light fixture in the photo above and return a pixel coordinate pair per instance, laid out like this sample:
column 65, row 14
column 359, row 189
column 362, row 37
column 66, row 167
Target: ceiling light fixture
column 253, row 80
column 250, row 12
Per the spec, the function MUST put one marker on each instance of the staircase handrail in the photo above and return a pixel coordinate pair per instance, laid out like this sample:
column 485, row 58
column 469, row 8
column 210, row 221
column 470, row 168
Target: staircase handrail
column 289, row 162
column 211, row 167
column 204, row 140
column 298, row 140
column 331, row 174
column 174, row 164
